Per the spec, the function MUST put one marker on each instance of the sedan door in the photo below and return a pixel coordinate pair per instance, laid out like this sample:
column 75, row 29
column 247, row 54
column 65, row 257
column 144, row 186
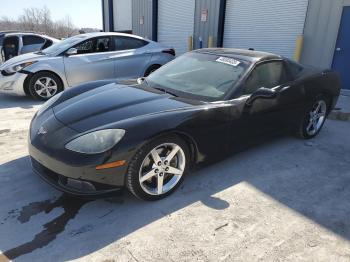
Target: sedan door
column 93, row 61
column 131, row 57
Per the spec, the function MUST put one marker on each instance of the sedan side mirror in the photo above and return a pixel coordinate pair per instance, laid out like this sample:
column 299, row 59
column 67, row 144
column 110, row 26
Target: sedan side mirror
column 262, row 92
column 140, row 80
column 72, row 51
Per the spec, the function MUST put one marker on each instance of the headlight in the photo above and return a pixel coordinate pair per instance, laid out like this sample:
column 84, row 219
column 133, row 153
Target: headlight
column 13, row 69
column 96, row 142
column 49, row 103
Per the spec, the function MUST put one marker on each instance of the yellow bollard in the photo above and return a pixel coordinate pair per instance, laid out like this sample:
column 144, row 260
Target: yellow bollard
column 190, row 43
column 298, row 48
column 211, row 42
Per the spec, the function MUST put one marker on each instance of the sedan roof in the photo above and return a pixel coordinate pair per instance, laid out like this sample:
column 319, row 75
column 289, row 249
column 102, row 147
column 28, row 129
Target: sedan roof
column 247, row 55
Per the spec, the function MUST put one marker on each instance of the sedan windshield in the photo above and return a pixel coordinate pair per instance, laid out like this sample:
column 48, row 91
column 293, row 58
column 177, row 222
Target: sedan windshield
column 63, row 45
column 199, row 76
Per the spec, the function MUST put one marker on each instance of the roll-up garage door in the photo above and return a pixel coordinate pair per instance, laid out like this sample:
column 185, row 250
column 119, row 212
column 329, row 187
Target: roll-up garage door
column 266, row 25
column 175, row 23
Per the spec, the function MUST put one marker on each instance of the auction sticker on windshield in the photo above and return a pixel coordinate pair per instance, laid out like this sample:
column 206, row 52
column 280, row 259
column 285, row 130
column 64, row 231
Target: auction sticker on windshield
column 229, row 61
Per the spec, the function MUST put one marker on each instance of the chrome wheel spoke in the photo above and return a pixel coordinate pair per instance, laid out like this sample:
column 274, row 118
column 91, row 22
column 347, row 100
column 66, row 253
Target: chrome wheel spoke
column 160, row 184
column 174, row 171
column 155, row 156
column 147, row 176
column 172, row 154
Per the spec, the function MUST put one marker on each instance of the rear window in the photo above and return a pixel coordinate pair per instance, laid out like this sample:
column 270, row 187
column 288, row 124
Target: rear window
column 126, row 43
column 32, row 40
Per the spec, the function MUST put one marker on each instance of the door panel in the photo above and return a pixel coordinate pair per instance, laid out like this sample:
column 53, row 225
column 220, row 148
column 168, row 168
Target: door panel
column 88, row 67
column 341, row 61
column 130, row 63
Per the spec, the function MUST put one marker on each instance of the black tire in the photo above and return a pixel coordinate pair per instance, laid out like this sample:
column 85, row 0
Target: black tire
column 44, row 74
column 132, row 178
column 151, row 69
column 301, row 131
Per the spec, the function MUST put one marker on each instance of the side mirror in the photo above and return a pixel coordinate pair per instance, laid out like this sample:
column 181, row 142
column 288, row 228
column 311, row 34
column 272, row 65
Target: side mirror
column 262, row 92
column 140, row 80
column 72, row 51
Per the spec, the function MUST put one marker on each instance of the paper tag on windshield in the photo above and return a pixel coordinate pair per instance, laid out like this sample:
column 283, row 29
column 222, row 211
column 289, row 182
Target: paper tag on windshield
column 227, row 60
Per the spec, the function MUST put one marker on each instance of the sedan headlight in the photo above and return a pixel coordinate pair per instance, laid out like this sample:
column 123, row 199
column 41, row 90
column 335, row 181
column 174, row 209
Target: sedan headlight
column 48, row 103
column 16, row 68
column 96, row 142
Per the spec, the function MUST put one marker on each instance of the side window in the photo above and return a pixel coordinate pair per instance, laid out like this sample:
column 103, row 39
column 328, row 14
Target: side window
column 85, row 47
column 103, row 44
column 98, row 45
column 268, row 75
column 32, row 40
column 47, row 43
column 126, row 43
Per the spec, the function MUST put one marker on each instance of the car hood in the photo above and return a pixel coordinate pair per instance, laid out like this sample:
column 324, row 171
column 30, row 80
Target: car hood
column 111, row 104
column 22, row 59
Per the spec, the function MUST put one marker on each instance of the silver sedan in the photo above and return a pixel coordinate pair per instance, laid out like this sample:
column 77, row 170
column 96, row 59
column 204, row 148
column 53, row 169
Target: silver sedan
column 79, row 59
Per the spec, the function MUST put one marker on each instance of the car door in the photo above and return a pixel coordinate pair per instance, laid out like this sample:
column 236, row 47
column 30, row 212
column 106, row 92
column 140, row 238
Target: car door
column 263, row 114
column 131, row 57
column 31, row 43
column 93, row 61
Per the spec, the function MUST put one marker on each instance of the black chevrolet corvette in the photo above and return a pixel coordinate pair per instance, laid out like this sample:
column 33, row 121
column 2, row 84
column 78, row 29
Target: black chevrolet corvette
column 98, row 137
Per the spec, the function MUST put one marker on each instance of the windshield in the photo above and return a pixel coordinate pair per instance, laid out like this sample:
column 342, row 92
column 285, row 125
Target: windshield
column 63, row 45
column 199, row 76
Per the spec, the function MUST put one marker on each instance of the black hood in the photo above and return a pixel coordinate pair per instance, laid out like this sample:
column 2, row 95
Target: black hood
column 113, row 103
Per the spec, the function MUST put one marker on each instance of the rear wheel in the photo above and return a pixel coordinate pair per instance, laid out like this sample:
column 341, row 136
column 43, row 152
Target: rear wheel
column 158, row 168
column 313, row 119
column 44, row 85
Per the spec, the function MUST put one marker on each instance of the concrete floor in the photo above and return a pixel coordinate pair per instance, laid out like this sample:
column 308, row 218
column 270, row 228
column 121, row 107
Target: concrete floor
column 286, row 200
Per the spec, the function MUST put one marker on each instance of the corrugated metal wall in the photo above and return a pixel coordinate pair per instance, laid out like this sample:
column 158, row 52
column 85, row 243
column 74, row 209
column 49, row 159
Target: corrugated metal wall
column 142, row 9
column 208, row 28
column 267, row 25
column 175, row 23
column 321, row 31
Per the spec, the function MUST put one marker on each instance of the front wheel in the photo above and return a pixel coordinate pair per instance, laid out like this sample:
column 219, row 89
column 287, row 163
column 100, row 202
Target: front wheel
column 313, row 119
column 158, row 168
column 44, row 85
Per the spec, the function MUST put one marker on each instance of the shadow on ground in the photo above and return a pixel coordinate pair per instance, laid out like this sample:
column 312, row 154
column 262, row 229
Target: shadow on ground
column 25, row 102
column 311, row 178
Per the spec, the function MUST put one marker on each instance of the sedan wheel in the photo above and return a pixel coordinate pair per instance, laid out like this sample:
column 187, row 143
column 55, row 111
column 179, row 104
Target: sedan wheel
column 158, row 168
column 45, row 87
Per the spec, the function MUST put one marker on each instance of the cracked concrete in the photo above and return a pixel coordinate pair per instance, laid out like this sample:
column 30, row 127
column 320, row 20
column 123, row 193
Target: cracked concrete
column 285, row 200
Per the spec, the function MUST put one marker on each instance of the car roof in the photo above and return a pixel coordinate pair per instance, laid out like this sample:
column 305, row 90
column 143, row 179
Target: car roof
column 243, row 54
column 29, row 33
column 96, row 34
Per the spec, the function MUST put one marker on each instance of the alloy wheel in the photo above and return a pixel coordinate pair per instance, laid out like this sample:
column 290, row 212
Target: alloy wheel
column 45, row 87
column 317, row 116
column 162, row 169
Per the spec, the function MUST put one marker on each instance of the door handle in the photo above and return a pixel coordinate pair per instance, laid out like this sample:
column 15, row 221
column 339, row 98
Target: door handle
column 338, row 49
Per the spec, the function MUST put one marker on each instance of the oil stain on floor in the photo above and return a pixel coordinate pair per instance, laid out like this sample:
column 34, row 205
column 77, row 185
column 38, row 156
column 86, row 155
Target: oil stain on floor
column 51, row 229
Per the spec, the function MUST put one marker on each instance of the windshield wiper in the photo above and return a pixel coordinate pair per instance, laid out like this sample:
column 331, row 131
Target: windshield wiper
column 165, row 91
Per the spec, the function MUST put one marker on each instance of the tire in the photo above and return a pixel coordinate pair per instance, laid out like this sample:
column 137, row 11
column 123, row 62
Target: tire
column 312, row 122
column 143, row 163
column 151, row 69
column 44, row 85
